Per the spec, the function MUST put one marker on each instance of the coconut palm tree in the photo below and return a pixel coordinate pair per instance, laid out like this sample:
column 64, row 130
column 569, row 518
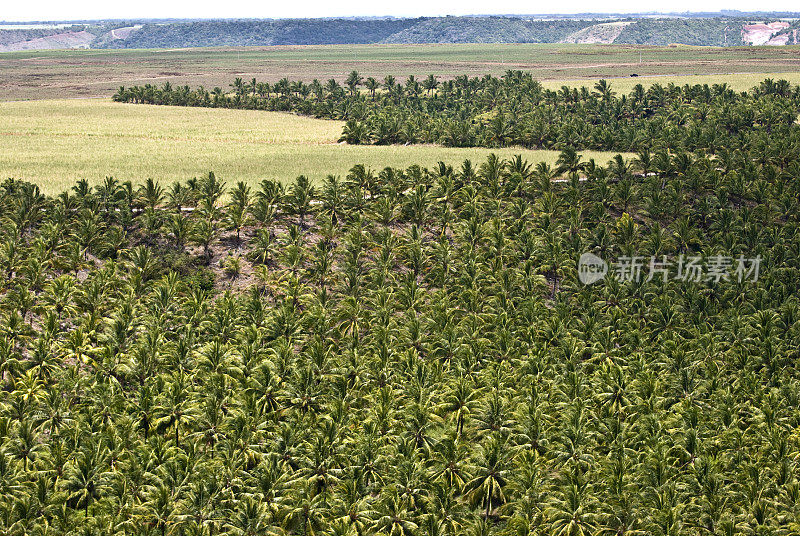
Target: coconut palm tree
column 489, row 476
column 353, row 81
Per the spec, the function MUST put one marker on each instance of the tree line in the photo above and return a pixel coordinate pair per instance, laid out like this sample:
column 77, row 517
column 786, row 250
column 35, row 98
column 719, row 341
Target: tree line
column 515, row 110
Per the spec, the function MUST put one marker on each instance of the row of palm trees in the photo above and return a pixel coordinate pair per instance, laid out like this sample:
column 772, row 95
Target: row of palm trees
column 402, row 352
column 515, row 110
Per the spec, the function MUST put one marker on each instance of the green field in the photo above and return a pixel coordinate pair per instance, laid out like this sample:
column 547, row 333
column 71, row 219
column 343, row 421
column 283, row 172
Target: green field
column 738, row 81
column 94, row 73
column 54, row 143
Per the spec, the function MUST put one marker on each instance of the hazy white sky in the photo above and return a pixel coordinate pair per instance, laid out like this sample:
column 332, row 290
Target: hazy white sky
column 16, row 10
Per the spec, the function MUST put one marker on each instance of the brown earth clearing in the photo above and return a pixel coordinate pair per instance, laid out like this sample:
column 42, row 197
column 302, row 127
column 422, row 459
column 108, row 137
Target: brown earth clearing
column 98, row 73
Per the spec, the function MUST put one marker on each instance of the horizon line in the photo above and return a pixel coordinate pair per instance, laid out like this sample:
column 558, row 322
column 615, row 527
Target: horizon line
column 589, row 14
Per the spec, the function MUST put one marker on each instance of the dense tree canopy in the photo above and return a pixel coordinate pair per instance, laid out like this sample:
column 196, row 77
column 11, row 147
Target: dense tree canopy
column 406, row 352
column 690, row 29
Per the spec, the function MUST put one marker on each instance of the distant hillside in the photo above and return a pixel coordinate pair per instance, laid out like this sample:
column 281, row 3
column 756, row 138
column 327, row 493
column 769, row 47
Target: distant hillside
column 692, row 29
column 14, row 36
column 602, row 33
column 48, row 37
column 262, row 33
column 60, row 40
column 487, row 30
column 703, row 32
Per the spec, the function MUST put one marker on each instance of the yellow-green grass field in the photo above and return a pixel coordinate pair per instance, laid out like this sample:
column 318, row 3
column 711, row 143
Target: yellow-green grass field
column 735, row 81
column 53, row 143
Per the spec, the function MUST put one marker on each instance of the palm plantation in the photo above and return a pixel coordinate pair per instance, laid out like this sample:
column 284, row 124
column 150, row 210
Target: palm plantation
column 409, row 351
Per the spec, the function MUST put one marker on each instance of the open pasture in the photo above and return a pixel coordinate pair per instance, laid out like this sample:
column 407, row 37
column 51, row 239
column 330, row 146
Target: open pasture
column 54, row 143
column 98, row 73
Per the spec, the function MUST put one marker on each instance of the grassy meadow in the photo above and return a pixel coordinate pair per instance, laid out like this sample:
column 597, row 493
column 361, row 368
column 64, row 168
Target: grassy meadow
column 736, row 81
column 53, row 143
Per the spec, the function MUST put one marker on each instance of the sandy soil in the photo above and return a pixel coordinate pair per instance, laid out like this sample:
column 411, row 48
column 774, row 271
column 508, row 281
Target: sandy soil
column 761, row 34
column 52, row 42
column 604, row 33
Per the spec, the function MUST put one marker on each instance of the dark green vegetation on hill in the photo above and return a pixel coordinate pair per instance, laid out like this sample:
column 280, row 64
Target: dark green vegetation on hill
column 488, row 30
column 344, row 31
column 707, row 29
column 515, row 110
column 249, row 33
column 404, row 353
column 701, row 32
column 695, row 31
